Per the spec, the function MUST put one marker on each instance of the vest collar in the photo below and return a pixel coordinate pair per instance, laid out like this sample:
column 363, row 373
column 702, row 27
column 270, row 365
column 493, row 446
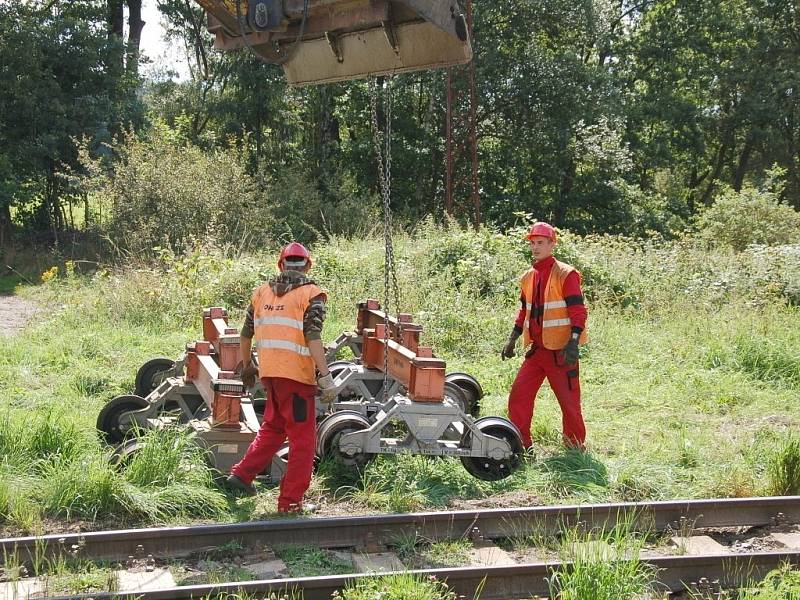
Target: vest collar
column 286, row 281
column 545, row 263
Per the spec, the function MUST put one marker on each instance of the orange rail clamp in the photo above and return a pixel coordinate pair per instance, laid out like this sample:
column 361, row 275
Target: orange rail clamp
column 418, row 371
column 225, row 414
column 224, row 339
column 401, row 329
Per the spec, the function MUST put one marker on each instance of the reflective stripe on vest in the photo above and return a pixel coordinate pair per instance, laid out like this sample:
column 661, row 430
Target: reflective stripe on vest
column 278, row 321
column 556, row 324
column 284, row 345
column 279, row 338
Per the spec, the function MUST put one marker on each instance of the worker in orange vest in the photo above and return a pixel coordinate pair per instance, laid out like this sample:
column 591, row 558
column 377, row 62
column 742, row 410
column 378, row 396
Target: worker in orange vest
column 285, row 317
column 552, row 321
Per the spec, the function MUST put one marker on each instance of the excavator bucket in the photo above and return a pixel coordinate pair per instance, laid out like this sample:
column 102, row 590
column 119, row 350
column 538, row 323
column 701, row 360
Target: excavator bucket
column 322, row 41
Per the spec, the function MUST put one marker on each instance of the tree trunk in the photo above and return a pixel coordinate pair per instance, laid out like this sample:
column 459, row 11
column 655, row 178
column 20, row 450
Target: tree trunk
column 135, row 26
column 5, row 224
column 565, row 189
column 116, row 30
column 116, row 26
column 744, row 159
column 720, row 163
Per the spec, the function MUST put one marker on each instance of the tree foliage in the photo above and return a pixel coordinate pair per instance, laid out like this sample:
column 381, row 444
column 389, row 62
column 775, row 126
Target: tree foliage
column 601, row 115
column 60, row 81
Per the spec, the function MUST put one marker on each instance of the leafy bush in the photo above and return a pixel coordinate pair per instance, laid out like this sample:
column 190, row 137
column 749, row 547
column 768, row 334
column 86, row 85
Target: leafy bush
column 773, row 272
column 482, row 261
column 167, row 192
column 300, row 212
column 740, row 219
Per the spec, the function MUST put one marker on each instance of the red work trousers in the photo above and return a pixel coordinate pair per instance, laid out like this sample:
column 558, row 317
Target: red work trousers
column 563, row 380
column 290, row 412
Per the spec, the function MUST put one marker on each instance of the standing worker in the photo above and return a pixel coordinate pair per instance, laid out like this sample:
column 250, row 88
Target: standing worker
column 552, row 319
column 285, row 316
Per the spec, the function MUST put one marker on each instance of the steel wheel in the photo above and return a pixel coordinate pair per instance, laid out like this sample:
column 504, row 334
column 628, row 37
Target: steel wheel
column 123, row 453
column 152, row 374
column 457, row 395
column 108, row 419
column 489, row 469
column 338, row 366
column 330, row 432
column 471, row 388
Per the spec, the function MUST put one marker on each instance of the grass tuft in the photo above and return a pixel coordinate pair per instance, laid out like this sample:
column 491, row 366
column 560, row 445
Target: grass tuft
column 605, row 565
column 575, row 470
column 309, row 561
column 398, row 587
column 782, row 583
column 784, row 469
column 689, row 383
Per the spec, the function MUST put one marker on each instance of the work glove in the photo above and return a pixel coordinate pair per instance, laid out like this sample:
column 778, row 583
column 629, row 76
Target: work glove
column 571, row 352
column 248, row 373
column 508, row 349
column 327, row 389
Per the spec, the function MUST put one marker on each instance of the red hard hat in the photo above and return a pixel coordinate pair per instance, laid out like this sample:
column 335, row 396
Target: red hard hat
column 294, row 250
column 543, row 229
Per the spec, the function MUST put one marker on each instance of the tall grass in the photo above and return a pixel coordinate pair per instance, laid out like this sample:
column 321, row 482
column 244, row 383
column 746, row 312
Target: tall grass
column 780, row 584
column 603, row 566
column 784, row 468
column 689, row 382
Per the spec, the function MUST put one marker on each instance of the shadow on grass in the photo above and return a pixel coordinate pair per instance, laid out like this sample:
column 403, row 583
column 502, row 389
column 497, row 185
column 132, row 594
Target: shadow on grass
column 10, row 281
column 574, row 470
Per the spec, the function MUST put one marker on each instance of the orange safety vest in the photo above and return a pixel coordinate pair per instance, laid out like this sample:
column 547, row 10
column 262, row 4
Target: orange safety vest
column 279, row 338
column 556, row 326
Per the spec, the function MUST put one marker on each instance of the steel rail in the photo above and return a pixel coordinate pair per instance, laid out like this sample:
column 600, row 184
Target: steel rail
column 358, row 531
column 674, row 573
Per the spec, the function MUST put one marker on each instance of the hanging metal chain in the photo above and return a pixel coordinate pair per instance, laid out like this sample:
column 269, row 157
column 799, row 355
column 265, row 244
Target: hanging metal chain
column 383, row 154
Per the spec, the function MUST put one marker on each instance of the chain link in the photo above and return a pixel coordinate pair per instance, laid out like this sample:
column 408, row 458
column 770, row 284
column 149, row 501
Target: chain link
column 383, row 153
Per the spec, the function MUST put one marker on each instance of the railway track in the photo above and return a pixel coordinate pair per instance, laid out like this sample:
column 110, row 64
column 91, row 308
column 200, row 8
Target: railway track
column 367, row 533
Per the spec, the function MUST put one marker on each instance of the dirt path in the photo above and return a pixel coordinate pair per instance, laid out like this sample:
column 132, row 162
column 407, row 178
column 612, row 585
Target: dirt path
column 15, row 312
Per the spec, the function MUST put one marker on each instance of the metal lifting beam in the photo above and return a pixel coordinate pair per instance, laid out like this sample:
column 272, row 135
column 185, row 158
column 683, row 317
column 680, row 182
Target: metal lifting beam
column 322, row 41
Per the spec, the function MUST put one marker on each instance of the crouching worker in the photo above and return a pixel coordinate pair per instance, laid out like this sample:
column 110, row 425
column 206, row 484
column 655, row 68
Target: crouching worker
column 552, row 321
column 285, row 317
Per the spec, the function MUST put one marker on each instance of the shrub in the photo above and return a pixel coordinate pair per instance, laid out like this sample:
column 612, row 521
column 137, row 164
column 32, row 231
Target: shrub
column 166, row 192
column 299, row 211
column 740, row 219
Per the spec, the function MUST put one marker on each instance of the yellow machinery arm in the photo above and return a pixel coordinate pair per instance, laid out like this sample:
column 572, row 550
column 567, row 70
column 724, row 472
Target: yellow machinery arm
column 321, row 41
